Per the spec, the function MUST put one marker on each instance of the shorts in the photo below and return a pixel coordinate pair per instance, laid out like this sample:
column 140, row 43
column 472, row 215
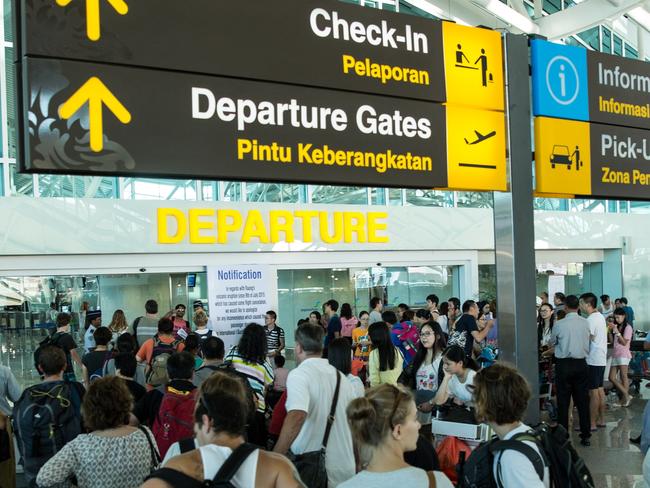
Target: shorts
column 596, row 377
column 620, row 361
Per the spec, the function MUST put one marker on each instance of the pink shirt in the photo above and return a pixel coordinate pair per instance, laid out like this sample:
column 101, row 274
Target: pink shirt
column 621, row 351
column 280, row 380
column 348, row 325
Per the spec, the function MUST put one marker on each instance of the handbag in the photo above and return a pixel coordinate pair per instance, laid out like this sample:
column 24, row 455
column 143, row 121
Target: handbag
column 311, row 465
column 155, row 457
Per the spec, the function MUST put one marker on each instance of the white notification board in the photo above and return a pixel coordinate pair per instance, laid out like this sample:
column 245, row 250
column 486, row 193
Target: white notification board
column 239, row 295
column 555, row 285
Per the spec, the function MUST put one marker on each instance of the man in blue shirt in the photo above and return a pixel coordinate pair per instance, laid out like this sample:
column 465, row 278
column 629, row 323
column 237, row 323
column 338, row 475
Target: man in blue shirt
column 333, row 325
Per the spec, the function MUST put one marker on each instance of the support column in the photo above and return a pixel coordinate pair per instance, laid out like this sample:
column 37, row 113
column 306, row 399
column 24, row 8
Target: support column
column 514, row 230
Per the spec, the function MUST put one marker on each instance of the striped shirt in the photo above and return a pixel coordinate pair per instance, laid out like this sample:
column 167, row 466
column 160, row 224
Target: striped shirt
column 273, row 337
column 260, row 375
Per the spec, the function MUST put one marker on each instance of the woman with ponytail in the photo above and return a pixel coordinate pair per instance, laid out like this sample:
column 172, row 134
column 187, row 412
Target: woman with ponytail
column 384, row 426
column 459, row 377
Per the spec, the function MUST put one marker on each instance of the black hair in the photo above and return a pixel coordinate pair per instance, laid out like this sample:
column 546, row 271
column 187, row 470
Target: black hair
column 192, row 343
column 346, row 311
column 180, row 366
column 540, row 321
column 333, row 304
column 316, row 313
column 623, row 326
column 127, row 364
column 272, row 314
column 339, row 355
column 362, row 313
column 389, row 317
column 423, row 313
column 279, row 361
column 63, row 319
column 404, row 306
column 433, row 298
column 457, row 354
column 252, row 344
column 151, row 306
column 467, row 304
column 560, row 296
column 623, row 300
column 102, row 336
column 438, row 347
column 310, row 338
column 590, row 299
column 443, row 308
column 455, row 301
column 380, row 338
column 180, row 305
column 165, row 325
column 213, row 348
column 572, row 302
column 604, row 298
column 224, row 398
column 374, row 301
column 125, row 343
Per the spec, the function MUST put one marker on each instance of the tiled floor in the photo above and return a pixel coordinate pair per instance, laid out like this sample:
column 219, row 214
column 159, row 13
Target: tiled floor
column 612, row 459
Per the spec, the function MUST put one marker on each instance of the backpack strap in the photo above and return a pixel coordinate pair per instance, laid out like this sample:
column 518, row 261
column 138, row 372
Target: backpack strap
column 155, row 457
column 175, row 478
column 332, row 417
column 538, row 460
column 186, row 445
column 229, row 469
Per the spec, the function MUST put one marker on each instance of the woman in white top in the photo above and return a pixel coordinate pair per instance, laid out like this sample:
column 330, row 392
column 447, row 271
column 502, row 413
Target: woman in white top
column 459, row 377
column 501, row 397
column 427, row 368
column 384, row 426
column 339, row 355
column 221, row 415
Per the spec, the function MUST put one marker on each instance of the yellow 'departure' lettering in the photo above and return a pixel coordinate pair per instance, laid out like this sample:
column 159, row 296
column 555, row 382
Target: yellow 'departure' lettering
column 164, row 214
column 281, row 222
column 354, row 222
column 220, row 226
column 325, row 235
column 197, row 225
column 227, row 221
column 255, row 227
column 306, row 216
column 375, row 226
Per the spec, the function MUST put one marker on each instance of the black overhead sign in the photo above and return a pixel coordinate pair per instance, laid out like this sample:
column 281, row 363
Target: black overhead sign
column 320, row 43
column 619, row 90
column 126, row 120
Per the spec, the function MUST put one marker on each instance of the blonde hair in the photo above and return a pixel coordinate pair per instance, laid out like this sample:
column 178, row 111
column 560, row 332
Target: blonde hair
column 200, row 318
column 374, row 416
column 118, row 322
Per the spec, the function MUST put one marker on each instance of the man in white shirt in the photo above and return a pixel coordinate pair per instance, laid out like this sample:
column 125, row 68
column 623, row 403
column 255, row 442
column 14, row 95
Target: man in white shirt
column 310, row 391
column 597, row 358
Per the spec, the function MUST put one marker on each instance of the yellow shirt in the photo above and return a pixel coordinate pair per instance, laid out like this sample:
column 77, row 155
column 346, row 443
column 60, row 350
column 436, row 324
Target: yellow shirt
column 361, row 352
column 380, row 377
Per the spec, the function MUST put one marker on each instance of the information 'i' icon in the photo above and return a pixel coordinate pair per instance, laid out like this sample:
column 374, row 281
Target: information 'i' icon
column 562, row 80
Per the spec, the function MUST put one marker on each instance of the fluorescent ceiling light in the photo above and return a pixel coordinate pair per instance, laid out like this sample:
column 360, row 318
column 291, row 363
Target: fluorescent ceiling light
column 436, row 11
column 641, row 16
column 509, row 15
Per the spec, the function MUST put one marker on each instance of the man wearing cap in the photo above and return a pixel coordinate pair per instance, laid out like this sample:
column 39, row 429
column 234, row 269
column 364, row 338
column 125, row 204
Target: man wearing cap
column 95, row 319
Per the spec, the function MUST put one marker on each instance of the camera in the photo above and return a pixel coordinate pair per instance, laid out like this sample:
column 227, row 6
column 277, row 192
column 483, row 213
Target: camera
column 142, row 270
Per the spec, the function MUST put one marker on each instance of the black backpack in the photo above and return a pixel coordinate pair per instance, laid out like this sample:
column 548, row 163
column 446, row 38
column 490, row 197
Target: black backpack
column 566, row 467
column 46, row 417
column 223, row 478
column 50, row 340
column 99, row 372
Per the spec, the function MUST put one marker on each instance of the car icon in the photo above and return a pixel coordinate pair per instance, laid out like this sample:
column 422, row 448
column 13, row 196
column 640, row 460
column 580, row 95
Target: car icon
column 561, row 155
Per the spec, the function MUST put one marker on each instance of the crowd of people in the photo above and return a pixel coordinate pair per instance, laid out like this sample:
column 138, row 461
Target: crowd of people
column 162, row 400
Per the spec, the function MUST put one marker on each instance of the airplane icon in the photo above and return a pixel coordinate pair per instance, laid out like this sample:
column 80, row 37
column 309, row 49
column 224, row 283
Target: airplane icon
column 480, row 137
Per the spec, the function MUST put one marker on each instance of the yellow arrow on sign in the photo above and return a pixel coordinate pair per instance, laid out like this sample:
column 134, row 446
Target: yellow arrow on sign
column 92, row 14
column 95, row 93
